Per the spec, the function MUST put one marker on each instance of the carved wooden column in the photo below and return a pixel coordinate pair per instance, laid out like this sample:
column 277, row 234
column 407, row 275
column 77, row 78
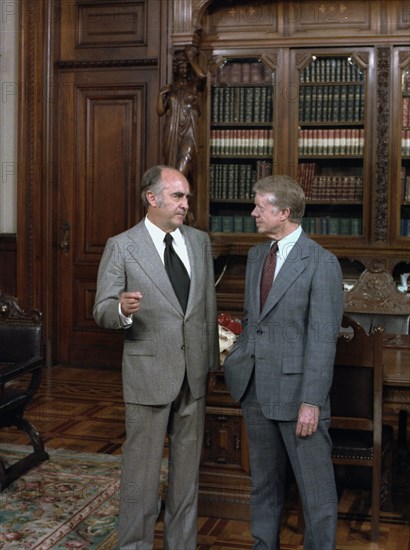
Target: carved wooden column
column 382, row 133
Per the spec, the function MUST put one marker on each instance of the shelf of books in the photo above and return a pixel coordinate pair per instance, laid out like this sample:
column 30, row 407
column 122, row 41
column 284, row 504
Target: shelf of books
column 241, row 141
column 405, row 155
column 331, row 143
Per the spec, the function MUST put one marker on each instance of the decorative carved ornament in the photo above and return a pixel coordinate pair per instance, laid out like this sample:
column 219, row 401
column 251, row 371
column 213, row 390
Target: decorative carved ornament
column 10, row 309
column 382, row 132
column 376, row 292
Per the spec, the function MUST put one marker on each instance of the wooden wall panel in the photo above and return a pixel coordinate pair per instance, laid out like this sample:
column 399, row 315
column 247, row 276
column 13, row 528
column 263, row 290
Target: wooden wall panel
column 108, row 131
column 109, row 160
column 107, row 29
column 324, row 18
column 268, row 22
column 81, row 156
column 112, row 24
column 260, row 16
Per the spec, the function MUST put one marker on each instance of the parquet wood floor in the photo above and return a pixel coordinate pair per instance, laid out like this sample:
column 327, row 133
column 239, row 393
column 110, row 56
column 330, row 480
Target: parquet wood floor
column 82, row 409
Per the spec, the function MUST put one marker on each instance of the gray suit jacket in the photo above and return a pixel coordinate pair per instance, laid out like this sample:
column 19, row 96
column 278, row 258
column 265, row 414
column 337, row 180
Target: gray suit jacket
column 291, row 343
column 162, row 343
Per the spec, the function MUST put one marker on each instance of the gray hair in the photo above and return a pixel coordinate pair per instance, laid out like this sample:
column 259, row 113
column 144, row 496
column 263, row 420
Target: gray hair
column 283, row 192
column 152, row 181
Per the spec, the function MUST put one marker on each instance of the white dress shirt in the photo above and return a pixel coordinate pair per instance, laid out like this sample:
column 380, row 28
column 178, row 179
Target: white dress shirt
column 285, row 246
column 157, row 236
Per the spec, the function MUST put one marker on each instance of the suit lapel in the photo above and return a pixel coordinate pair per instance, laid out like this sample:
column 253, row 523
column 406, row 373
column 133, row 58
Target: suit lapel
column 258, row 257
column 256, row 261
column 195, row 260
column 146, row 255
column 290, row 271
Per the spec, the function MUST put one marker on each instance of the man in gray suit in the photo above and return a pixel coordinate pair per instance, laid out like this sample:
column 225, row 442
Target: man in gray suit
column 169, row 349
column 281, row 367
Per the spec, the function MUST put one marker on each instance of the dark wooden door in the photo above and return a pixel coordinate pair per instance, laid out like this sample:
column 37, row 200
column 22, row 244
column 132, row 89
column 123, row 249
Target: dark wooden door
column 104, row 134
column 108, row 76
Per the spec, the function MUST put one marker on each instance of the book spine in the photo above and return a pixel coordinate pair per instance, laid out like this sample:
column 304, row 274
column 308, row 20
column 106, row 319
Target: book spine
column 227, row 224
column 333, row 226
column 249, row 93
column 257, row 92
column 216, row 224
column 238, row 224
column 352, row 97
column 344, row 105
column 249, row 224
column 356, row 226
column 307, row 104
column 335, row 104
column 236, row 73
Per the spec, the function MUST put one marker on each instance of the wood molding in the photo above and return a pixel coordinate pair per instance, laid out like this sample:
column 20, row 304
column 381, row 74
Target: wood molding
column 73, row 64
column 30, row 200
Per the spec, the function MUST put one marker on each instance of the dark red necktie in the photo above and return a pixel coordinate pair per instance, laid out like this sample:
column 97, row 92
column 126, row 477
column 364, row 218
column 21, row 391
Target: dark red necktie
column 268, row 273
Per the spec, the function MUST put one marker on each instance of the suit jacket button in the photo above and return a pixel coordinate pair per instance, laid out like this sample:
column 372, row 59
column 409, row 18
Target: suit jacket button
column 182, row 347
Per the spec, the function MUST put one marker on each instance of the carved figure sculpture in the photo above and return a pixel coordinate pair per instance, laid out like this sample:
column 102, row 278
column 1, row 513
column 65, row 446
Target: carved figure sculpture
column 181, row 102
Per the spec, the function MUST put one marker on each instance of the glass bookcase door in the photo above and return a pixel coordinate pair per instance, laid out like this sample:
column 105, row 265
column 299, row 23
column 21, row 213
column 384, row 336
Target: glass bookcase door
column 241, row 140
column 332, row 143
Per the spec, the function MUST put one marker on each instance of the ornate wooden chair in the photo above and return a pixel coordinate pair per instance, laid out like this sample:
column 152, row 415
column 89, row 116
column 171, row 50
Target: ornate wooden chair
column 358, row 435
column 373, row 301
column 21, row 361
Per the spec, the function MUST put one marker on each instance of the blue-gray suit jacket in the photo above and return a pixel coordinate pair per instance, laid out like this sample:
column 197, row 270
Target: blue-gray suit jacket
column 162, row 343
column 291, row 343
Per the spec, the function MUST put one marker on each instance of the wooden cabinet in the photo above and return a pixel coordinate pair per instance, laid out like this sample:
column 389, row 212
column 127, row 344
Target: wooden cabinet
column 224, row 479
column 318, row 91
column 325, row 107
column 241, row 146
column 334, row 140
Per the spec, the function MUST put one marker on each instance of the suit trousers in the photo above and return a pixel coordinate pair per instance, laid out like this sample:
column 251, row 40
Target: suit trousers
column 146, row 427
column 271, row 443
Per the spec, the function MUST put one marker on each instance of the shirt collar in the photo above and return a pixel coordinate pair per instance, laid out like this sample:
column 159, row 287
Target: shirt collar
column 158, row 234
column 286, row 244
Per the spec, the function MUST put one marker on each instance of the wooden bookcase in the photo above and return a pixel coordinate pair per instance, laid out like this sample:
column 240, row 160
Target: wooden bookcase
column 241, row 140
column 334, row 78
column 331, row 115
column 333, row 140
column 324, row 110
column 318, row 91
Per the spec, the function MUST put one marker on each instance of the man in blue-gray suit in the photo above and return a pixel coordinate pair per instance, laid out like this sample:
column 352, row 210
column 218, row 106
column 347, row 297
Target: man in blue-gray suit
column 170, row 346
column 281, row 366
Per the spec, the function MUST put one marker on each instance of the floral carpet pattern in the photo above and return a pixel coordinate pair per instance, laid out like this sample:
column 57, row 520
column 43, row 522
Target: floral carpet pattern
column 69, row 501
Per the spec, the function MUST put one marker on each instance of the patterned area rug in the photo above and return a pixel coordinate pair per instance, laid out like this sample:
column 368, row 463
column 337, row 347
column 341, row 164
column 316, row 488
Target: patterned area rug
column 70, row 501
